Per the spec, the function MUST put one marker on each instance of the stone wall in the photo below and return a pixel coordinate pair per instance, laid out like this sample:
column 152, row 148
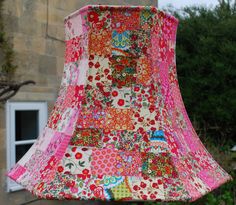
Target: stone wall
column 36, row 29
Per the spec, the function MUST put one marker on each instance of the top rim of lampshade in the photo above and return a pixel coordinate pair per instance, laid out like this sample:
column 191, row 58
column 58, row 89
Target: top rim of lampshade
column 131, row 7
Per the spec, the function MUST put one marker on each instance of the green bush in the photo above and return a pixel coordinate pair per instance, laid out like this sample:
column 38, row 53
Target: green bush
column 206, row 67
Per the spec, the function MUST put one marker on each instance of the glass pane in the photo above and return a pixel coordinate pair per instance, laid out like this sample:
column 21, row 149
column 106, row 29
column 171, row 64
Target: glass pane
column 21, row 150
column 26, row 124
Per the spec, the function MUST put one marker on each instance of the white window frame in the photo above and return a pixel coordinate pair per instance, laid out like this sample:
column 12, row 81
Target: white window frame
column 11, row 143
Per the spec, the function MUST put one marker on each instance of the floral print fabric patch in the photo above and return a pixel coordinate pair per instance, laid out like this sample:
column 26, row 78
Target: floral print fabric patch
column 118, row 129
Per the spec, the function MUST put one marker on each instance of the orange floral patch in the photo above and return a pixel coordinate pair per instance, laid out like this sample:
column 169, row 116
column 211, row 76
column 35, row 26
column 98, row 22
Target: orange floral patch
column 144, row 70
column 100, row 42
column 119, row 119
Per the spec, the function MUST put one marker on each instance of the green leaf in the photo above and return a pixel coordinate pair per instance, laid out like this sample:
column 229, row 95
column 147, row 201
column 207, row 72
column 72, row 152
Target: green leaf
column 70, row 165
column 81, row 163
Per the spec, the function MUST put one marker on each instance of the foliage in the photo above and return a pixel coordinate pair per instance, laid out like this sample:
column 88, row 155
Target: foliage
column 7, row 67
column 206, row 66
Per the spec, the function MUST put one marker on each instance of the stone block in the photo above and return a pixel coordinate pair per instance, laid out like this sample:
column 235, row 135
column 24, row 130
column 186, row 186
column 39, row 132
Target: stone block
column 11, row 23
column 31, row 25
column 60, row 66
column 38, row 79
column 22, row 42
column 15, row 10
column 27, row 62
column 38, row 45
column 56, row 16
column 60, row 49
column 29, row 6
column 64, row 5
column 32, row 96
column 54, row 48
column 56, row 31
column 41, row 12
column 47, row 64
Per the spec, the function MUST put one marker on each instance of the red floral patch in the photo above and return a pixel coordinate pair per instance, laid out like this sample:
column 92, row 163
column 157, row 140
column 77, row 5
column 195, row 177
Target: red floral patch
column 74, row 96
column 86, row 137
column 99, row 73
column 99, row 20
column 55, row 117
column 120, row 97
column 144, row 96
column 122, row 21
column 74, row 49
column 123, row 70
column 158, row 165
column 146, row 118
column 98, row 98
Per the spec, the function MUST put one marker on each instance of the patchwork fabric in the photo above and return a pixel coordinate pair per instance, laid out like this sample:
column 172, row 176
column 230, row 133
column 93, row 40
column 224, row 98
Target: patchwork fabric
column 91, row 118
column 145, row 118
column 119, row 119
column 140, row 42
column 74, row 96
column 147, row 188
column 128, row 163
column 123, row 71
column 74, row 49
column 144, row 70
column 118, row 129
column 99, row 19
column 120, row 42
column 157, row 142
column 121, row 191
column 103, row 162
column 125, row 140
column 90, row 137
column 99, row 43
column 99, row 73
column 157, row 165
column 96, row 97
column 144, row 96
column 128, row 19
column 76, row 160
column 121, row 97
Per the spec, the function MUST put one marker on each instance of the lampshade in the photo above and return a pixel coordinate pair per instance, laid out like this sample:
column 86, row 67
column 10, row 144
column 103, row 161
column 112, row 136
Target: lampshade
column 119, row 129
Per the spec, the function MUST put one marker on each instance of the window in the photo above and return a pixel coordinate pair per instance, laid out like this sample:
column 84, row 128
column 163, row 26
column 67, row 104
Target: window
column 24, row 121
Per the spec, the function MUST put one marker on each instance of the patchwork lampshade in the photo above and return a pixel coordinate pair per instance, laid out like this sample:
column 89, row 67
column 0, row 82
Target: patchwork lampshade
column 119, row 129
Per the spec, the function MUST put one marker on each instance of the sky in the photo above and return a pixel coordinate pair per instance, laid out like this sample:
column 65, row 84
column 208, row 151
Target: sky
column 181, row 3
